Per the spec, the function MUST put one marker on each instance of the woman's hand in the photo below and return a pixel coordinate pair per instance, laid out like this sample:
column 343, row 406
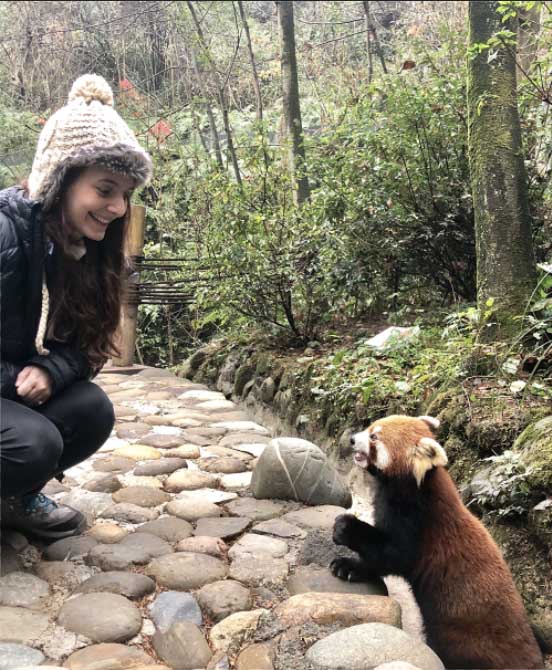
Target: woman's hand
column 34, row 385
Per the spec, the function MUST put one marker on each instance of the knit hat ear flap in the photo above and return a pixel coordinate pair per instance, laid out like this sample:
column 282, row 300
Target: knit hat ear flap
column 86, row 132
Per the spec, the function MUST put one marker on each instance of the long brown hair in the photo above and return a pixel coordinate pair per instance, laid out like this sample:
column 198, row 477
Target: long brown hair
column 86, row 295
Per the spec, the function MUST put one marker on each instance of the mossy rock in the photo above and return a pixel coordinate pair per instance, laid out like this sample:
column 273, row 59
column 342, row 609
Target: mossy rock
column 463, row 460
column 197, row 358
column 265, row 361
column 528, row 562
column 535, row 447
column 540, row 523
column 244, row 374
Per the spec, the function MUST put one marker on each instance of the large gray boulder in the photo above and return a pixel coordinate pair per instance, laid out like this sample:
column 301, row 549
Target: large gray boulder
column 367, row 646
column 293, row 469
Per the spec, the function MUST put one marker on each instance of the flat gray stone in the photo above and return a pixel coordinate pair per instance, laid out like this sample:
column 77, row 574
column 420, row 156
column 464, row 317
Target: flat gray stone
column 239, row 481
column 108, row 656
column 254, row 544
column 182, row 646
column 183, row 571
column 128, row 584
column 70, row 548
column 368, row 645
column 220, row 599
column 294, row 469
column 132, row 431
column 188, row 480
column 113, row 464
column 172, row 606
column 256, row 510
column 194, row 438
column 242, row 426
column 169, row 528
column 279, row 528
column 117, row 557
column 163, row 441
column 87, row 502
column 20, row 589
column 143, row 496
column 21, row 625
column 252, row 449
column 13, row 656
column 225, row 452
column 213, row 546
column 129, row 513
column 153, row 544
column 66, row 573
column 224, row 527
column 322, row 516
column 309, row 578
column 164, row 466
column 192, row 509
column 135, row 549
column 259, row 570
column 106, row 484
column 210, row 495
column 226, row 466
column 233, row 439
column 101, row 617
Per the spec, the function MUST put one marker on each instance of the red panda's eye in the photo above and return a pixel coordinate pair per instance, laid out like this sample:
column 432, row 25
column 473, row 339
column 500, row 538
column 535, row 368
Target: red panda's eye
column 374, row 437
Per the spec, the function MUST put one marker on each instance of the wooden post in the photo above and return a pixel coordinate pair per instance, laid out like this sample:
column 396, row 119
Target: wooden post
column 126, row 336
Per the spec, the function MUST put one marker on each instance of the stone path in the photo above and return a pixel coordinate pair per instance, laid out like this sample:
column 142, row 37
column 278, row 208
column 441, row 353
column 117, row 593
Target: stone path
column 181, row 567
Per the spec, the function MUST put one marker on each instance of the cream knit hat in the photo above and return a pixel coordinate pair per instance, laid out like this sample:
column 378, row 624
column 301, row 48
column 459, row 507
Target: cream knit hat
column 87, row 131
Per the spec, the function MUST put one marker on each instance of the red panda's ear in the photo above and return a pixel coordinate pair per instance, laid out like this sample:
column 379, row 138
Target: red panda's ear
column 431, row 421
column 427, row 454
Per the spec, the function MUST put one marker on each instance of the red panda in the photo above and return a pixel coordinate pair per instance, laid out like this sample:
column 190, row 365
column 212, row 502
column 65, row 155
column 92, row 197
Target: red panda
column 473, row 615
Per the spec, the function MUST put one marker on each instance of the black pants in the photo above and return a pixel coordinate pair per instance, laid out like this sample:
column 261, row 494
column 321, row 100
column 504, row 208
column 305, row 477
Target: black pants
column 37, row 444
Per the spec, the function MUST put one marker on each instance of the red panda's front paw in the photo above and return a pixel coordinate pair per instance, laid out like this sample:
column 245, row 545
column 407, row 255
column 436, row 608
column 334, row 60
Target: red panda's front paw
column 344, row 529
column 348, row 569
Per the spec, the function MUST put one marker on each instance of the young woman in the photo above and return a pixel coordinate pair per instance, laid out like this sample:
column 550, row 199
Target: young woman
column 62, row 269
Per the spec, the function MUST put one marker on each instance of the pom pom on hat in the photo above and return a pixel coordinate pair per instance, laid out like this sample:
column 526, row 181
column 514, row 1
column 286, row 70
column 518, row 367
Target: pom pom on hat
column 91, row 87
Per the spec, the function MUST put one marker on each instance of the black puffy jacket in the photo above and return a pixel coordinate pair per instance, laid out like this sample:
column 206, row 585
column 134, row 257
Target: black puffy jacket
column 22, row 259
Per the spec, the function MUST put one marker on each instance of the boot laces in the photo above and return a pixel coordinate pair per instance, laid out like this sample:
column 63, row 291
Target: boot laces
column 38, row 502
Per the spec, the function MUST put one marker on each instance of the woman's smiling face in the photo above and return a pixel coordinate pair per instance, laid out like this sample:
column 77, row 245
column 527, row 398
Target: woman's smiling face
column 95, row 199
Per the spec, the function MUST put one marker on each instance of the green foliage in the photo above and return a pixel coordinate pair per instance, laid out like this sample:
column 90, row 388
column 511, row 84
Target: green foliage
column 404, row 377
column 19, row 132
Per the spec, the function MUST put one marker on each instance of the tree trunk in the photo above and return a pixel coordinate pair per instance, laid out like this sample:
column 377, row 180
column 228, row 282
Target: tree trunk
column 506, row 270
column 371, row 34
column 367, row 23
column 208, row 109
column 221, row 95
column 292, row 110
column 256, row 84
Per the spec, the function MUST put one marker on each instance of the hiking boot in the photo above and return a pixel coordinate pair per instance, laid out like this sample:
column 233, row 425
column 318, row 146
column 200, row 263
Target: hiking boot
column 38, row 515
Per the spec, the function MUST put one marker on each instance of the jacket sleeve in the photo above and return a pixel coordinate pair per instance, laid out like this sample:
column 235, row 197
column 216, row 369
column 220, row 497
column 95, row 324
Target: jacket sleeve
column 65, row 364
column 8, row 375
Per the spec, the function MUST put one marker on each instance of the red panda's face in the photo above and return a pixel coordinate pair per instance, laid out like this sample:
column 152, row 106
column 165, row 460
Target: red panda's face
column 399, row 446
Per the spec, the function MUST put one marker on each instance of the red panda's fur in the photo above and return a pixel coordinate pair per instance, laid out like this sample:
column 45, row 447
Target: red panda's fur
column 473, row 614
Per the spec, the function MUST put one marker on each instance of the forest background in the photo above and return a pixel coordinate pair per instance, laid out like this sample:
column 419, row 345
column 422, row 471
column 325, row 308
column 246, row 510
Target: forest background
column 387, row 230
column 286, row 250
